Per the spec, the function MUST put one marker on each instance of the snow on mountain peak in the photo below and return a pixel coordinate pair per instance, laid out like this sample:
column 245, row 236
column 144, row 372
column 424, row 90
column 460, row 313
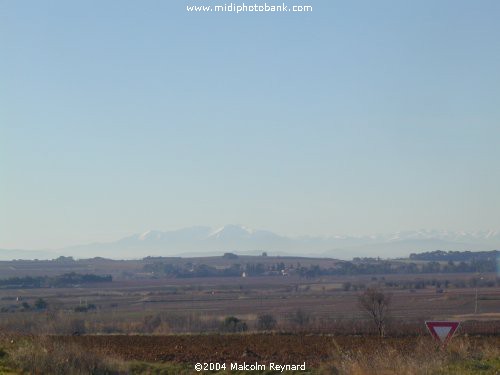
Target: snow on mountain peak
column 231, row 230
column 150, row 235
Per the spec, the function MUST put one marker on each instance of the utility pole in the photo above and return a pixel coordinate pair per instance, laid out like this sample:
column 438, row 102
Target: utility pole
column 475, row 305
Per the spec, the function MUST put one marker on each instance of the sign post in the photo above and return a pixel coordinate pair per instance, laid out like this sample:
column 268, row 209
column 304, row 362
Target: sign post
column 442, row 331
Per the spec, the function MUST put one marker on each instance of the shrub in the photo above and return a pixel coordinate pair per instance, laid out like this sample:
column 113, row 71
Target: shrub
column 301, row 318
column 266, row 322
column 77, row 327
column 41, row 304
column 151, row 323
column 233, row 324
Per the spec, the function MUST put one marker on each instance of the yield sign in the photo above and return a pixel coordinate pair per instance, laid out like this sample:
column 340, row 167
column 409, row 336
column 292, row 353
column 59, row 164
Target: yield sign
column 442, row 331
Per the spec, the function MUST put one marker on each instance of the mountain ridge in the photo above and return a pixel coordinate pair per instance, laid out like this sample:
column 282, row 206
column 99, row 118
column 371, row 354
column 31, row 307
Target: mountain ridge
column 204, row 240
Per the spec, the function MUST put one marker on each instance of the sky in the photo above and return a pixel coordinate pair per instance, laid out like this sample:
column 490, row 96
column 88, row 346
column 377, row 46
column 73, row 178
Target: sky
column 359, row 117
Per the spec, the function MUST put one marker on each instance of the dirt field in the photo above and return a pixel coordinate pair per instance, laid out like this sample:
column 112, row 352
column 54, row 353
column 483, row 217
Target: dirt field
column 178, row 354
column 264, row 348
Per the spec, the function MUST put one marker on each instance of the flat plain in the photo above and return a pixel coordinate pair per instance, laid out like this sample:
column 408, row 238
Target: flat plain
column 147, row 323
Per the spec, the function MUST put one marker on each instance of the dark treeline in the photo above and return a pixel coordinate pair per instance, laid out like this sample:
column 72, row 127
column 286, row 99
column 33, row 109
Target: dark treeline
column 422, row 283
column 390, row 267
column 356, row 267
column 65, row 280
column 456, row 256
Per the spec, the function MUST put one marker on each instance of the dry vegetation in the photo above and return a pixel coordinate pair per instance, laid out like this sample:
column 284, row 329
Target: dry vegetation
column 419, row 356
column 190, row 306
column 143, row 325
column 322, row 354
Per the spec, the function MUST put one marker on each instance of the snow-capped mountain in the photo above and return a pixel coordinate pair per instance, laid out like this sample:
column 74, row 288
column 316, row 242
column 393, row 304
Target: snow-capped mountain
column 423, row 234
column 202, row 240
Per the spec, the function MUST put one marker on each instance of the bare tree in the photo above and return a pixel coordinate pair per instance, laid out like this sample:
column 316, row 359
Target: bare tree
column 376, row 303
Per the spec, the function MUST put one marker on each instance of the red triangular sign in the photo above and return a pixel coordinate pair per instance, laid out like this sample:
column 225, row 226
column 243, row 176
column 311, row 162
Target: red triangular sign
column 442, row 331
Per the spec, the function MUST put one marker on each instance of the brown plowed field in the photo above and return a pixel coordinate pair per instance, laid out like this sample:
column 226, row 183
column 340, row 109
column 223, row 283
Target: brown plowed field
column 265, row 348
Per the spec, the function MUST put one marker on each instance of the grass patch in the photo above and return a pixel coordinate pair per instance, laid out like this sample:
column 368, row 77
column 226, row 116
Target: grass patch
column 5, row 368
column 143, row 368
column 43, row 356
column 489, row 366
column 146, row 368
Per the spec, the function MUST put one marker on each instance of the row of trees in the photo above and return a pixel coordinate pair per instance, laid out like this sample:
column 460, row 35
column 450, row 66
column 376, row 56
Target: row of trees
column 65, row 280
column 425, row 283
column 358, row 267
column 395, row 267
column 456, row 256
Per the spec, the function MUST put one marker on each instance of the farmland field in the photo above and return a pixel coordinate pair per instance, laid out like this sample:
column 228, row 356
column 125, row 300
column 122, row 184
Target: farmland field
column 140, row 323
column 319, row 354
column 197, row 305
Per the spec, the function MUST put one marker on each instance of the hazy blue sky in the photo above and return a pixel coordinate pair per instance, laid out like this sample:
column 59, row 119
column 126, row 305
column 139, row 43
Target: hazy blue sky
column 362, row 116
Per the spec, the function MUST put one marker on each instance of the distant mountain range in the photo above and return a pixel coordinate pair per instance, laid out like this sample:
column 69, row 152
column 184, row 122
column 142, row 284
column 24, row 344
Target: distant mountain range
column 202, row 241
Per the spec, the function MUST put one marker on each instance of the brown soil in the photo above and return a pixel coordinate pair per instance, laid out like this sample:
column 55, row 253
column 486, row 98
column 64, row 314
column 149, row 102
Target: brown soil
column 264, row 348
